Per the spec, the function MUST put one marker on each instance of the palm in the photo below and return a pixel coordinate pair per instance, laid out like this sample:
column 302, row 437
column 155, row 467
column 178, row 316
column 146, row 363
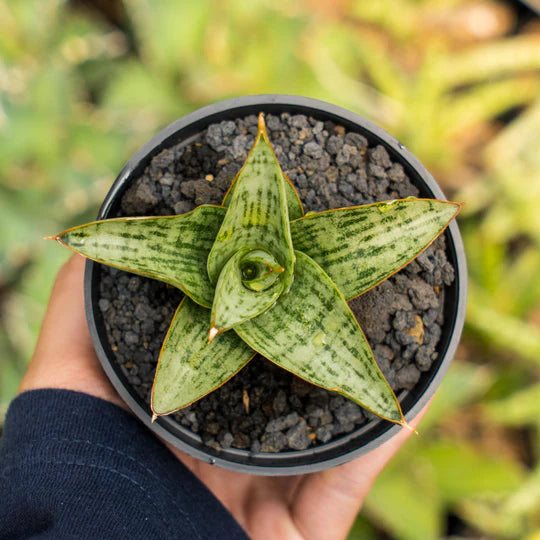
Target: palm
column 260, row 504
column 318, row 505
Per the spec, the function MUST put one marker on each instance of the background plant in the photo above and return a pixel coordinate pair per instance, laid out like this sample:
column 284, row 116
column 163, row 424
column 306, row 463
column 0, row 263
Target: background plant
column 86, row 82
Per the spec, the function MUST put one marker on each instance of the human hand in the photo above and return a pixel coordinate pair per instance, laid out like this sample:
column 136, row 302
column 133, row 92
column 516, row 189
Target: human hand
column 314, row 506
column 320, row 505
column 64, row 356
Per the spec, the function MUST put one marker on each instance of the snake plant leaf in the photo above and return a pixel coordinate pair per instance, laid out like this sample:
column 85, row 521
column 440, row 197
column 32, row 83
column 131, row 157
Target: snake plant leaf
column 257, row 215
column 172, row 249
column 359, row 247
column 248, row 285
column 294, row 204
column 312, row 332
column 190, row 367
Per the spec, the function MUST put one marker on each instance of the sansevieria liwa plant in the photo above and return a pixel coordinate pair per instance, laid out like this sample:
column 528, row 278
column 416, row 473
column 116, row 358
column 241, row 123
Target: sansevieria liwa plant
column 259, row 276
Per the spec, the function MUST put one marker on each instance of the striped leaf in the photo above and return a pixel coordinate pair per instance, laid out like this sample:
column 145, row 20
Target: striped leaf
column 257, row 216
column 248, row 285
column 172, row 249
column 359, row 247
column 294, row 204
column 189, row 366
column 312, row 333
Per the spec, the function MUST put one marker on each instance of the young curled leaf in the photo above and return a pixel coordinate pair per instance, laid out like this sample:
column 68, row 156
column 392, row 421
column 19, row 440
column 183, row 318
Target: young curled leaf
column 248, row 285
column 259, row 270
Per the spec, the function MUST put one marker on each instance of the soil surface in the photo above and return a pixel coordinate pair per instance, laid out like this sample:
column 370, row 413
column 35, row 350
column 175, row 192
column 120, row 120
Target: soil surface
column 264, row 408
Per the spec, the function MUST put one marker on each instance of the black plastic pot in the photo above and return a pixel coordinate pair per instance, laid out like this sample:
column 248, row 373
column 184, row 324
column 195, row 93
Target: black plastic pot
column 367, row 437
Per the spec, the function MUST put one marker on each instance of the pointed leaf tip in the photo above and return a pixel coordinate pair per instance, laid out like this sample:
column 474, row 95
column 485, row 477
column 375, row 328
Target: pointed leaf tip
column 404, row 424
column 261, row 124
column 212, row 333
column 257, row 213
column 294, row 204
column 172, row 249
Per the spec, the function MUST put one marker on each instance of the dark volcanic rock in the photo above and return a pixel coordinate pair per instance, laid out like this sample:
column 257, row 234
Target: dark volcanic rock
column 348, row 412
column 283, row 422
column 273, row 442
column 298, row 436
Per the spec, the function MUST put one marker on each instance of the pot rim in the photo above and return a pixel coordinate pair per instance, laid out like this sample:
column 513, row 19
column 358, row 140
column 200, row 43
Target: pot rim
column 343, row 449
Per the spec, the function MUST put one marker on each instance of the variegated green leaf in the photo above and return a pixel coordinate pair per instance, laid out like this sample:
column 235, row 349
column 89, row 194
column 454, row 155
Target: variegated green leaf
column 189, row 366
column 257, row 216
column 312, row 333
column 361, row 246
column 248, row 285
column 294, row 204
column 172, row 249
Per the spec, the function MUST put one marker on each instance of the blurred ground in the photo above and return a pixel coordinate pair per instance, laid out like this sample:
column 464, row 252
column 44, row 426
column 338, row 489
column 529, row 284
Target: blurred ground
column 84, row 83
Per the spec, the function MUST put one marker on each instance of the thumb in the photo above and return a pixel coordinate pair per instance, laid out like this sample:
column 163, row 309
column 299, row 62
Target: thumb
column 64, row 355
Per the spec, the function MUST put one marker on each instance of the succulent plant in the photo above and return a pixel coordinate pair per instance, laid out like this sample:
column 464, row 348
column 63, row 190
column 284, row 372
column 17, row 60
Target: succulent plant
column 259, row 276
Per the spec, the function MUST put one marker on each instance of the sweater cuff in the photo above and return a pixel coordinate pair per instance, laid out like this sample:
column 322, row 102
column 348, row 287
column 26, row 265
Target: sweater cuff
column 65, row 438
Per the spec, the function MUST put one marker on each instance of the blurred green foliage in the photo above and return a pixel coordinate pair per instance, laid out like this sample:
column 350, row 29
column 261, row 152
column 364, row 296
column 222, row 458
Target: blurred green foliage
column 83, row 84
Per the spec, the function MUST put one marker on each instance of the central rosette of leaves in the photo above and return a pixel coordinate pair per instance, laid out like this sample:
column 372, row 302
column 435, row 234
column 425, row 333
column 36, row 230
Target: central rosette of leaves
column 252, row 259
column 259, row 270
column 248, row 290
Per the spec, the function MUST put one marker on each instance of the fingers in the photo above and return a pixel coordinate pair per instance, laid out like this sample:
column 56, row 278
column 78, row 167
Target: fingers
column 64, row 355
column 326, row 503
column 64, row 332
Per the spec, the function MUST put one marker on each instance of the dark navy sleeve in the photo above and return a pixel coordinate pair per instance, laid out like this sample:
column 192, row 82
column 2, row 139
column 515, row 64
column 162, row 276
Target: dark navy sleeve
column 75, row 466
